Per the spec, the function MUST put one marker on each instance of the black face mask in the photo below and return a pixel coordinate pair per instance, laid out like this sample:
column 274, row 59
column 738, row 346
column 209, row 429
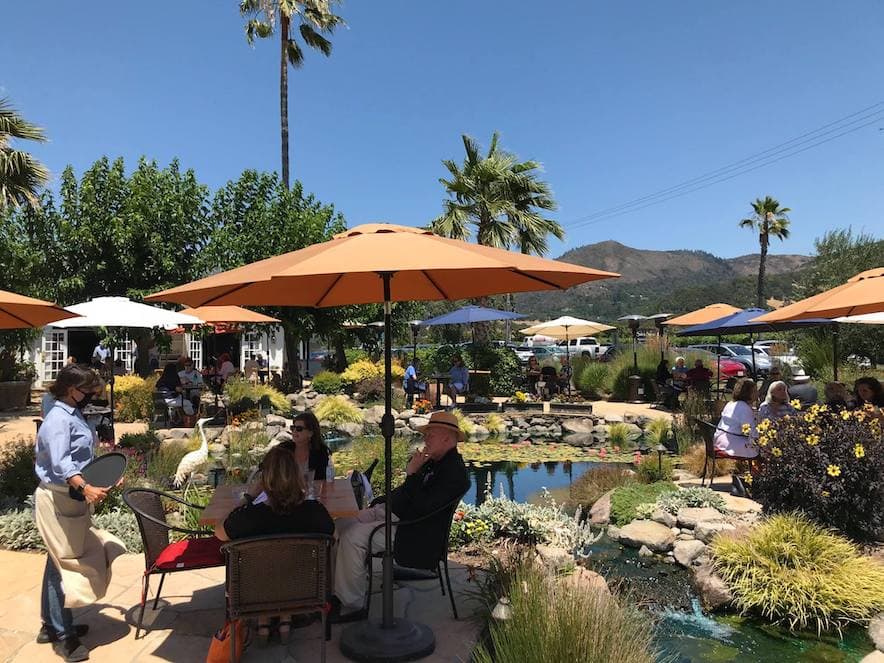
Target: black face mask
column 83, row 402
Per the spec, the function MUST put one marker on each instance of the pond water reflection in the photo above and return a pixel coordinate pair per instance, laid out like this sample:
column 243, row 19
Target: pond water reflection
column 523, row 482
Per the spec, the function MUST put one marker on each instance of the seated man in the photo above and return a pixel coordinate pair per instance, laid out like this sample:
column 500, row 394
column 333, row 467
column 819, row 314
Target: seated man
column 803, row 390
column 410, row 382
column 700, row 377
column 459, row 379
column 434, row 477
column 191, row 382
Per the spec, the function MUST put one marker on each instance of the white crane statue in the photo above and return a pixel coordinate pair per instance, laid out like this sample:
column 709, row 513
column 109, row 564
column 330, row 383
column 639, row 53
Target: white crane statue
column 193, row 460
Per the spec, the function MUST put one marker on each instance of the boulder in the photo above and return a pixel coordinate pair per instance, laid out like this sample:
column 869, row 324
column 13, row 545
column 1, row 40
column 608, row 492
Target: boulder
column 682, row 475
column 273, row 431
column 538, row 431
column 600, row 513
column 553, row 557
column 399, row 423
column 418, row 420
column 633, row 432
column 686, row 552
column 584, row 579
column 350, row 428
column 655, row 536
column 282, row 436
column 253, row 425
column 690, row 516
column 405, row 414
column 876, row 631
column 213, row 433
column 373, row 414
column 577, row 425
column 706, row 530
column 663, row 517
column 613, row 419
column 479, row 432
column 292, row 398
column 740, row 505
column 613, row 533
column 184, row 433
column 644, row 551
column 578, row 439
column 875, row 657
column 276, row 420
column 713, row 591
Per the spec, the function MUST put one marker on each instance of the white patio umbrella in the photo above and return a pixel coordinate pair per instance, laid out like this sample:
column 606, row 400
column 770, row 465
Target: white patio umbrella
column 863, row 319
column 565, row 327
column 123, row 312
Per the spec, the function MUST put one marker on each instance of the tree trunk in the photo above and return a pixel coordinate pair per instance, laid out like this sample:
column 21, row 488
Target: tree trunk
column 761, row 267
column 284, row 95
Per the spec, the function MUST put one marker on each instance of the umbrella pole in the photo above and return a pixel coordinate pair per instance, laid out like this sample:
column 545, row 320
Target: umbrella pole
column 835, row 351
column 752, row 347
column 391, row 639
column 718, row 365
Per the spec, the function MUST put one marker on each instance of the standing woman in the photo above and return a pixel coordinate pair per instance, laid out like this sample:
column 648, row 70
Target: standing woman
column 310, row 449
column 78, row 566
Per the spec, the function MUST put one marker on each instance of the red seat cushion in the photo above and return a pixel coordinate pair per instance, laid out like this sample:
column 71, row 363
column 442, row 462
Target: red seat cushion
column 190, row 554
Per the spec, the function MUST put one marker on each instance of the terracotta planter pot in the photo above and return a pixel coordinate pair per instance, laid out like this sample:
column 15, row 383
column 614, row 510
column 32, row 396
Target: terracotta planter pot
column 14, row 394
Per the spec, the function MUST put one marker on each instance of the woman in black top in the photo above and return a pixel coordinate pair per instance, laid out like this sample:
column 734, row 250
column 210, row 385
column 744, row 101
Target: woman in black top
column 310, row 448
column 285, row 511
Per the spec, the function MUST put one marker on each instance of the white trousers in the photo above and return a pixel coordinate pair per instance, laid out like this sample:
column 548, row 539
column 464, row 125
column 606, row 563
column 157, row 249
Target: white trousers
column 351, row 581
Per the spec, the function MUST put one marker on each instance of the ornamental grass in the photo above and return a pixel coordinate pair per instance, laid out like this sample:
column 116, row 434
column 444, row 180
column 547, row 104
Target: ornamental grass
column 793, row 571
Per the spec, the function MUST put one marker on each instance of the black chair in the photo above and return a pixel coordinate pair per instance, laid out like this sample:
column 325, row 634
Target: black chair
column 412, row 388
column 403, row 573
column 357, row 484
column 161, row 555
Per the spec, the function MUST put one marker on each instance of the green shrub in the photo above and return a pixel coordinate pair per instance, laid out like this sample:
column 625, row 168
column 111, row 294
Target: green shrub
column 354, row 354
column 365, row 450
column 163, row 462
column 691, row 497
column 618, row 434
column 620, row 385
column 140, row 442
column 791, row 570
column 553, row 620
column 17, row 478
column 18, row 531
column 337, row 410
column 463, row 422
column 370, row 389
column 594, row 483
column 242, row 395
column 658, row 431
column 327, row 382
column 133, row 397
column 590, row 377
column 652, row 469
column 495, row 424
column 829, row 465
column 626, row 499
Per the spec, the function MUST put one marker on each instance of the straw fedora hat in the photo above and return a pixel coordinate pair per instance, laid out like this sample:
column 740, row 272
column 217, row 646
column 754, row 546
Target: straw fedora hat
column 444, row 420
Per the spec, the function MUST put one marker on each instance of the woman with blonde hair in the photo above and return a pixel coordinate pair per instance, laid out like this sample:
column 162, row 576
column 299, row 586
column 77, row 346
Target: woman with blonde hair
column 284, row 511
column 776, row 404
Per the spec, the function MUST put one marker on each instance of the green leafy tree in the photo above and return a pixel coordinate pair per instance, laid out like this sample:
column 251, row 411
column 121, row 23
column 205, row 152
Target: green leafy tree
column 501, row 197
column 768, row 219
column 314, row 19
column 21, row 175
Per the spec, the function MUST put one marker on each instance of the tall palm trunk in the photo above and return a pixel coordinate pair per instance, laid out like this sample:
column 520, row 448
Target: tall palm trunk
column 763, row 238
column 284, row 95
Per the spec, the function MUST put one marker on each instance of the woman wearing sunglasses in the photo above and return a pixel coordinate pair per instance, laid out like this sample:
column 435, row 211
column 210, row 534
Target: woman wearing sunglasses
column 310, row 449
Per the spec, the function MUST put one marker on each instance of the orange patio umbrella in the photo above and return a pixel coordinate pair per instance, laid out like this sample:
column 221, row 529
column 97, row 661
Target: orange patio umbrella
column 229, row 314
column 20, row 312
column 375, row 263
column 864, row 293
column 703, row 315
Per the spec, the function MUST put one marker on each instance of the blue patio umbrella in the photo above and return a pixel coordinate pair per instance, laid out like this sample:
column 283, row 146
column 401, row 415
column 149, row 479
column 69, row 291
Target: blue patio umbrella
column 741, row 322
column 470, row 314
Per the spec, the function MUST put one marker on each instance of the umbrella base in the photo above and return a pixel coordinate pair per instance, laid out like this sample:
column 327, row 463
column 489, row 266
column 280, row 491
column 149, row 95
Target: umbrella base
column 369, row 641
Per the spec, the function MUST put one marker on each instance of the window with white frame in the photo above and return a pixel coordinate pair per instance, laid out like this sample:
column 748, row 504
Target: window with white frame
column 54, row 350
column 251, row 346
column 195, row 350
column 123, row 352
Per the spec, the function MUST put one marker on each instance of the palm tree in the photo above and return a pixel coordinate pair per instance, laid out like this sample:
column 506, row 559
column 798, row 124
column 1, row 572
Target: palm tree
column 501, row 197
column 769, row 219
column 20, row 173
column 314, row 18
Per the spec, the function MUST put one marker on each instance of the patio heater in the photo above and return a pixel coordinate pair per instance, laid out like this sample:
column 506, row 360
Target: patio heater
column 634, row 322
column 659, row 319
column 415, row 329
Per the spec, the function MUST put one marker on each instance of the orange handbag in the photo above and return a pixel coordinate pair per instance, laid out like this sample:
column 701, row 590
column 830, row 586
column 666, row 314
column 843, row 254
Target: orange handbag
column 219, row 648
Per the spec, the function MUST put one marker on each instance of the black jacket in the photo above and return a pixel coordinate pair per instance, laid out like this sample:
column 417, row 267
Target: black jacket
column 425, row 491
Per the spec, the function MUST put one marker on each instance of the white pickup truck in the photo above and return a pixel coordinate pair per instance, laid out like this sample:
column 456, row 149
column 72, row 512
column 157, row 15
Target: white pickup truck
column 580, row 344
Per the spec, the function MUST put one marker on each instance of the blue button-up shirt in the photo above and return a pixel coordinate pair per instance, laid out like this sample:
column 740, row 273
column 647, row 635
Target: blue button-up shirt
column 459, row 375
column 64, row 444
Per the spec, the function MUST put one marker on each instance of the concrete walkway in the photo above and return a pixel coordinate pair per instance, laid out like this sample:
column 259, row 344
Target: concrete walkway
column 191, row 609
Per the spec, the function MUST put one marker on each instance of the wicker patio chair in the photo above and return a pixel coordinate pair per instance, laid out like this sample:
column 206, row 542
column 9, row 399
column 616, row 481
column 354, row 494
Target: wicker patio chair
column 402, row 573
column 279, row 575
column 161, row 555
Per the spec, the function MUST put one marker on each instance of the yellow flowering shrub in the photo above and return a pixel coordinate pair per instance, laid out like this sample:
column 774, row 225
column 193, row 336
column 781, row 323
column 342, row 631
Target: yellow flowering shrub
column 365, row 369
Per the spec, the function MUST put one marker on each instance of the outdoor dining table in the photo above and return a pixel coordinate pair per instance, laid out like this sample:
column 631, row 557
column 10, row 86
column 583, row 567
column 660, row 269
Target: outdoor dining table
column 337, row 498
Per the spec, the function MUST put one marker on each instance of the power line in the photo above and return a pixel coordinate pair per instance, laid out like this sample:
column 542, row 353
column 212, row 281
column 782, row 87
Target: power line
column 792, row 147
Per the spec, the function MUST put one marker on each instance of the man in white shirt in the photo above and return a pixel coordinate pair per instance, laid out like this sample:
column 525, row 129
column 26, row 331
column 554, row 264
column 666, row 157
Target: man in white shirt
column 191, row 382
column 100, row 354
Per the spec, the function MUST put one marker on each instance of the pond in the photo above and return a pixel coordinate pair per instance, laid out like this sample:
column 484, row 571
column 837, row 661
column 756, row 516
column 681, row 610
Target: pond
column 523, row 482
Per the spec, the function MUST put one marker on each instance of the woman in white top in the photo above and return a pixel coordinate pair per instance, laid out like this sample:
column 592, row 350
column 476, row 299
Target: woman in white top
column 736, row 428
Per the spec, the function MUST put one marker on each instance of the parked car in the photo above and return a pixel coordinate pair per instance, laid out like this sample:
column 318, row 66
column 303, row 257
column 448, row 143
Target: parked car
column 542, row 352
column 740, row 353
column 777, row 353
column 581, row 344
column 730, row 368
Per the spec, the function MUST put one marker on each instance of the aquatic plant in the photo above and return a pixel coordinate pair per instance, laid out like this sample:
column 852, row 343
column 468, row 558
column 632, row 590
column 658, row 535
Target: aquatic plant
column 626, row 499
column 463, row 422
column 791, row 570
column 618, row 434
column 658, row 431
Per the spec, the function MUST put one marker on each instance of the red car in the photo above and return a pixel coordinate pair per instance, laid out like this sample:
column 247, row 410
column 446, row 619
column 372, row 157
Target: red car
column 729, row 367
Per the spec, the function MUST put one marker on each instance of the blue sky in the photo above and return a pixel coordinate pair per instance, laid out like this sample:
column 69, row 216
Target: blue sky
column 617, row 99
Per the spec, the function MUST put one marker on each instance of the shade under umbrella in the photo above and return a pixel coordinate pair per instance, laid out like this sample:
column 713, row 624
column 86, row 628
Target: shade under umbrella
column 702, row 315
column 470, row 314
column 123, row 312
column 863, row 293
column 383, row 263
column 20, row 312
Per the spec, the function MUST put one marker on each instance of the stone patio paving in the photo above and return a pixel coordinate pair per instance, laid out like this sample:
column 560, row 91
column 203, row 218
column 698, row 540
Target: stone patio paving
column 191, row 609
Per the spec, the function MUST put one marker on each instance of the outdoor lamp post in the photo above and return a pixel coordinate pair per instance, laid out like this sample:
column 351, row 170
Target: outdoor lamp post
column 634, row 321
column 659, row 319
column 660, row 449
